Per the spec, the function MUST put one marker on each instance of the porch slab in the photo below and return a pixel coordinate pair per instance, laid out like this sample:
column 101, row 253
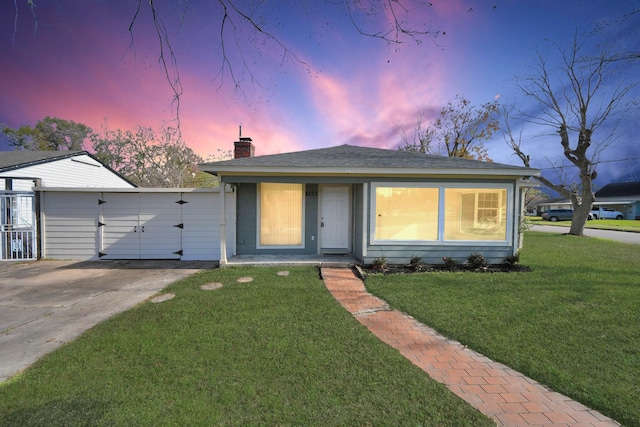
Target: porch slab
column 336, row 261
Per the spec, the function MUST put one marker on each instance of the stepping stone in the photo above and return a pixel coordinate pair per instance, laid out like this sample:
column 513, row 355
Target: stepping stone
column 163, row 297
column 283, row 273
column 245, row 279
column 211, row 286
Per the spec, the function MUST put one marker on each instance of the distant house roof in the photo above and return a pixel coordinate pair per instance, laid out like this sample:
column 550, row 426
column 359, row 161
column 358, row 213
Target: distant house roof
column 542, row 201
column 620, row 189
column 348, row 159
column 11, row 160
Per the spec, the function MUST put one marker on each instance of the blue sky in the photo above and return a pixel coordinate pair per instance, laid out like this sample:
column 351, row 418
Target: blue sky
column 80, row 64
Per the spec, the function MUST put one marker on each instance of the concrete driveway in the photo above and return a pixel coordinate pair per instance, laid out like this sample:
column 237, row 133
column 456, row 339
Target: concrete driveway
column 44, row 304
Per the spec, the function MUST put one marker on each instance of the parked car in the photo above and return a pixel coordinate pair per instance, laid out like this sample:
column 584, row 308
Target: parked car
column 606, row 213
column 554, row 215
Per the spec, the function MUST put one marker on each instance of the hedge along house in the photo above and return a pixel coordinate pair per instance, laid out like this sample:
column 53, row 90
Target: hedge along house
column 372, row 203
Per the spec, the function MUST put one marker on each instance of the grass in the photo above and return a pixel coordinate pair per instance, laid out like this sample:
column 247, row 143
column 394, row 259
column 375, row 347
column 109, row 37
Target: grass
column 573, row 323
column 602, row 224
column 276, row 351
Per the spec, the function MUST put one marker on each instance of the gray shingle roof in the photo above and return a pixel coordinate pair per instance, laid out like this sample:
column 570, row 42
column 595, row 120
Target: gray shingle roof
column 348, row 156
column 11, row 160
column 620, row 189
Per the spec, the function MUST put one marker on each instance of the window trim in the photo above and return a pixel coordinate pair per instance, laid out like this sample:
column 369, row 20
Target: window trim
column 259, row 244
column 442, row 186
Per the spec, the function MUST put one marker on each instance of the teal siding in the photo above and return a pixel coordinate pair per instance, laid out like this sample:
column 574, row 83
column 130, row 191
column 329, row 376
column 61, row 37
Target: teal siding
column 246, row 211
column 363, row 248
column 433, row 255
column 247, row 228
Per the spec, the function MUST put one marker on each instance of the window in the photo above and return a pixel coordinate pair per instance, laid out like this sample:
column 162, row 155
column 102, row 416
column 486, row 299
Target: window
column 438, row 213
column 281, row 214
column 406, row 213
column 475, row 214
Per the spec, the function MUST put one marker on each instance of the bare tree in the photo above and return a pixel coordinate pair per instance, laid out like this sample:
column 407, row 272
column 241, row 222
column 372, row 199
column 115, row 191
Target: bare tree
column 581, row 101
column 242, row 28
column 459, row 131
column 149, row 158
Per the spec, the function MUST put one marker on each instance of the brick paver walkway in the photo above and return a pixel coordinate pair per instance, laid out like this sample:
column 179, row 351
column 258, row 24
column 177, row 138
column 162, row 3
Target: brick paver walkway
column 507, row 396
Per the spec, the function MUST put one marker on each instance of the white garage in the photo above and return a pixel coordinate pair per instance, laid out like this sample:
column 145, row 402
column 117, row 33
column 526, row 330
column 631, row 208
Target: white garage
column 136, row 223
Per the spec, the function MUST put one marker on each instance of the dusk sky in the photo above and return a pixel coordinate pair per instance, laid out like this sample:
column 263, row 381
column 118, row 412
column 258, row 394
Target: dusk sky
column 81, row 63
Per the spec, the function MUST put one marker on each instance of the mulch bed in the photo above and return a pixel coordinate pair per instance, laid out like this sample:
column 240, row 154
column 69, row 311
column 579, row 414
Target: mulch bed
column 427, row 268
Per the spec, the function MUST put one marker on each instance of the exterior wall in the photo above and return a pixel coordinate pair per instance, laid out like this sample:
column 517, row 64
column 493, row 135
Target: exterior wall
column 363, row 247
column 247, row 228
column 434, row 255
column 433, row 252
column 69, row 223
column 201, row 235
column 74, row 172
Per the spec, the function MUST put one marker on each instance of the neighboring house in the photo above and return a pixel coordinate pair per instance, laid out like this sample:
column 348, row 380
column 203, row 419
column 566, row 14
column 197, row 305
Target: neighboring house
column 18, row 170
column 21, row 171
column 622, row 196
column 540, row 205
column 372, row 203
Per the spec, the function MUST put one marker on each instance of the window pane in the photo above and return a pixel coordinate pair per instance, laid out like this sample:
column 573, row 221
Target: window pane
column 406, row 213
column 280, row 214
column 475, row 214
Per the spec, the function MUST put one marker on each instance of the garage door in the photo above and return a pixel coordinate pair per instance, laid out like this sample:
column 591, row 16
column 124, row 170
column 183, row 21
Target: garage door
column 140, row 226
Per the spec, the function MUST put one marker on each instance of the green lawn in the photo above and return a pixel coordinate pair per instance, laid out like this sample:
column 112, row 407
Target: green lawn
column 573, row 323
column 603, row 224
column 276, row 351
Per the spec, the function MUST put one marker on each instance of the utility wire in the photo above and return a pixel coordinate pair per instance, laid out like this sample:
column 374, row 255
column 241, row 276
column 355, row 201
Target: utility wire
column 600, row 162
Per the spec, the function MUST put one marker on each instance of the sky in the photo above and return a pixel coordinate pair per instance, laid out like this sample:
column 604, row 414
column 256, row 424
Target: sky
column 317, row 83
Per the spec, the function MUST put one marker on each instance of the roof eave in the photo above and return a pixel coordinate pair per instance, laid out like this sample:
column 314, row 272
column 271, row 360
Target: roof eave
column 350, row 171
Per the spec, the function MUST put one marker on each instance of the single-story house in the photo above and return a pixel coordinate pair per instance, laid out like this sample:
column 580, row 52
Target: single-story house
column 622, row 196
column 371, row 203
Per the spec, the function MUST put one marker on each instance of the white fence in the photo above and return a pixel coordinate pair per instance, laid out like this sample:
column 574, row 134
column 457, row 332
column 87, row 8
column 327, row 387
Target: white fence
column 17, row 226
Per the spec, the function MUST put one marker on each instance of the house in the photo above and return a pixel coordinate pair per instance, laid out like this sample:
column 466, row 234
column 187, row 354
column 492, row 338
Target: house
column 21, row 171
column 542, row 204
column 371, row 203
column 622, row 196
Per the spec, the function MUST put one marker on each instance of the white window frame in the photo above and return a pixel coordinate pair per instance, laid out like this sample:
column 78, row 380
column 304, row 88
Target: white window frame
column 258, row 217
column 442, row 186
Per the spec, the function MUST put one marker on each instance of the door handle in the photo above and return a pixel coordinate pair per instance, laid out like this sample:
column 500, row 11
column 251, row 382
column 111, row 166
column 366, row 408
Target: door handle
column 322, row 225
column 143, row 228
column 135, row 228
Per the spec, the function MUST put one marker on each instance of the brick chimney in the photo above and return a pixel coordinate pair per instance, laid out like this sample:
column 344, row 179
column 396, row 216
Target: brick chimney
column 243, row 148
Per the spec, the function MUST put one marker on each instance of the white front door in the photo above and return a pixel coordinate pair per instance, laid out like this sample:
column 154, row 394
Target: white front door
column 335, row 218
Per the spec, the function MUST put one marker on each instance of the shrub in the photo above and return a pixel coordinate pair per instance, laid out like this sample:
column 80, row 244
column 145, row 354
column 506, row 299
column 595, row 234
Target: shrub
column 416, row 263
column 380, row 263
column 450, row 263
column 512, row 259
column 477, row 260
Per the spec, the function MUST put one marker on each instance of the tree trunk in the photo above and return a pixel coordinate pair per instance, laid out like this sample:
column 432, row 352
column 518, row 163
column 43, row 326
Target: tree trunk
column 580, row 215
